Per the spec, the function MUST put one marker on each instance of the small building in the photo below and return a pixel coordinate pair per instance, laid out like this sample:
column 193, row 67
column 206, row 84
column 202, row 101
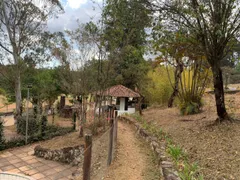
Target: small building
column 125, row 99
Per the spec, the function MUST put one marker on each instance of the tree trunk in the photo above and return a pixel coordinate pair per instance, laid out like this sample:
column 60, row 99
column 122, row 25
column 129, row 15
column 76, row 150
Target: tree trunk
column 177, row 76
column 18, row 94
column 219, row 94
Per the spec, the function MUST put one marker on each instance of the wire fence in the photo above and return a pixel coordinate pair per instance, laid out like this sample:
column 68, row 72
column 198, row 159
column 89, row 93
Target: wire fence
column 99, row 154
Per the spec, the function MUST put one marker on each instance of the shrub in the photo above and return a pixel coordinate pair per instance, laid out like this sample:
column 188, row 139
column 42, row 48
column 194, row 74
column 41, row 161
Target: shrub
column 52, row 131
column 14, row 142
column 2, row 139
column 33, row 125
column 2, row 92
column 190, row 172
column 176, row 152
column 190, row 107
column 193, row 82
column 43, row 125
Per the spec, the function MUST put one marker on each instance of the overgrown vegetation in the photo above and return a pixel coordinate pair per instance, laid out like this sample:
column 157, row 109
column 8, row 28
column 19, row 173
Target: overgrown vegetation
column 33, row 125
column 194, row 79
column 159, row 89
column 38, row 130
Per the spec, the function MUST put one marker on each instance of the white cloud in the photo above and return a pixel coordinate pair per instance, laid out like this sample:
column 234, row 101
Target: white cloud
column 75, row 4
column 82, row 10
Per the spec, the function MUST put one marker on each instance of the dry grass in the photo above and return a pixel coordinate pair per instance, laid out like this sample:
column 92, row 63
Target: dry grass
column 215, row 147
column 71, row 139
column 60, row 121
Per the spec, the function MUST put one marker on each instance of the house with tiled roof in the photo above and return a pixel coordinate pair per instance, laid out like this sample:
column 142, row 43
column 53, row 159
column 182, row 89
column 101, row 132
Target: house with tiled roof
column 124, row 98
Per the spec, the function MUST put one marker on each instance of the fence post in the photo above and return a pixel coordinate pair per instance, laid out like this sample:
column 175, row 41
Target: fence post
column 110, row 148
column 80, row 131
column 114, row 133
column 116, row 125
column 87, row 157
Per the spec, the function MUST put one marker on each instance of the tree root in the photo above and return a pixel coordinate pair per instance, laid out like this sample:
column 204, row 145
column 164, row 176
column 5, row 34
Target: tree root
column 227, row 118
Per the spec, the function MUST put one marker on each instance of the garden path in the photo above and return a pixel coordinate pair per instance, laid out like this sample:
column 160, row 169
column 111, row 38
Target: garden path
column 132, row 160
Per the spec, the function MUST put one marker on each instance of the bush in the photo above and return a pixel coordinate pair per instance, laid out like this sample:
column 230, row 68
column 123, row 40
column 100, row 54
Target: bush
column 193, row 82
column 159, row 89
column 43, row 125
column 2, row 139
column 175, row 152
column 190, row 107
column 15, row 142
column 33, row 125
column 2, row 92
column 51, row 131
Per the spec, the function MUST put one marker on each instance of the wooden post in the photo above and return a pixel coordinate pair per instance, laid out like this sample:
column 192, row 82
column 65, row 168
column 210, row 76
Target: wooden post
column 115, row 125
column 114, row 134
column 110, row 148
column 140, row 105
column 74, row 120
column 80, row 131
column 87, row 157
column 62, row 102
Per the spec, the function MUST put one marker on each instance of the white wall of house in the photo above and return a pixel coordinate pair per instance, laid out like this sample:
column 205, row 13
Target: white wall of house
column 122, row 104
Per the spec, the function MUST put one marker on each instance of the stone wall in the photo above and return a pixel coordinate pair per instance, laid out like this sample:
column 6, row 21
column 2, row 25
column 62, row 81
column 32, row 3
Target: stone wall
column 166, row 166
column 68, row 155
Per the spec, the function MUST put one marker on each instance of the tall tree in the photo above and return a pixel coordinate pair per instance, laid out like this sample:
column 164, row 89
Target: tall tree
column 22, row 22
column 215, row 24
column 125, row 39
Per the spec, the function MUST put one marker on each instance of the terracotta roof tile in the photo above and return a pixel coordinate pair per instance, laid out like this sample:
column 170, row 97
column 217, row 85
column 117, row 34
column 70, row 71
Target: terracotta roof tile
column 120, row 91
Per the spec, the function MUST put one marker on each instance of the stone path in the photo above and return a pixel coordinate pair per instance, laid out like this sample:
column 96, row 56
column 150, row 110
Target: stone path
column 21, row 160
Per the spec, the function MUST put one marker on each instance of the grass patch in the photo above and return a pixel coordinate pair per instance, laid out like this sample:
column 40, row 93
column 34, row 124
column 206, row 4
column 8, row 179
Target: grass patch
column 151, row 172
column 175, row 152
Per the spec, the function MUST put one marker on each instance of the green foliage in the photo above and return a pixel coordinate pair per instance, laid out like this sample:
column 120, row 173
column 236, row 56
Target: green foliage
column 176, row 152
column 159, row 88
column 2, row 139
column 214, row 38
column 130, row 68
column 43, row 125
column 193, row 82
column 124, row 37
column 190, row 107
column 45, row 84
column 33, row 125
column 125, row 22
column 148, row 126
column 237, row 68
column 2, row 91
column 51, row 131
column 190, row 172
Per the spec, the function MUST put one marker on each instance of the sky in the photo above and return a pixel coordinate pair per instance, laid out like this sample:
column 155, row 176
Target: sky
column 82, row 10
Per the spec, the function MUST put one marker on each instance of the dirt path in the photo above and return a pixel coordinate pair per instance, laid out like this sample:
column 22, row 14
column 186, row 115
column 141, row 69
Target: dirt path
column 132, row 161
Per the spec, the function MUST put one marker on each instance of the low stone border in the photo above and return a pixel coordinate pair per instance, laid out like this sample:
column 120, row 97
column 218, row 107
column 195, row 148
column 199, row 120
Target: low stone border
column 165, row 163
column 68, row 155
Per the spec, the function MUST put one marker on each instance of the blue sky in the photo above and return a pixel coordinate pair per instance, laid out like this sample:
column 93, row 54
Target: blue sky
column 82, row 10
